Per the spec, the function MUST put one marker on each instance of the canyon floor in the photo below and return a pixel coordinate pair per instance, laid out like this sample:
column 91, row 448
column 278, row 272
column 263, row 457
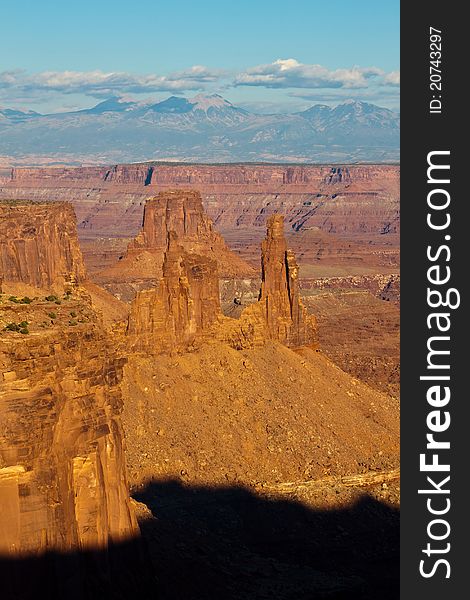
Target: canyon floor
column 259, row 466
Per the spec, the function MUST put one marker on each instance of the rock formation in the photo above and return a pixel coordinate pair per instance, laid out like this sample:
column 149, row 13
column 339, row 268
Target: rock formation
column 183, row 213
column 182, row 309
column 186, row 306
column 279, row 313
column 62, row 470
column 286, row 318
column 180, row 212
column 39, row 245
column 161, row 174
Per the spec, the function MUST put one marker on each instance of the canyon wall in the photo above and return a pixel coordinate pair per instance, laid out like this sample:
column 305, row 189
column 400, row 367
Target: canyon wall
column 109, row 200
column 63, row 483
column 39, row 245
column 62, row 473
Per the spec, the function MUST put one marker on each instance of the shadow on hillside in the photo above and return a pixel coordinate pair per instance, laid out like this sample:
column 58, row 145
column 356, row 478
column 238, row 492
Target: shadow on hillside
column 227, row 543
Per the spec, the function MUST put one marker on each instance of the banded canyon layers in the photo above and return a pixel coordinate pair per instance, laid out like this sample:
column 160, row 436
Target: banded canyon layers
column 172, row 364
column 342, row 222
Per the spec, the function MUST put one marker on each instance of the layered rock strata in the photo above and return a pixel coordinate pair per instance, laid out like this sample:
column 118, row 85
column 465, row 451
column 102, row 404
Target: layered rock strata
column 343, row 200
column 39, row 245
column 63, row 484
column 62, row 468
column 180, row 212
column 183, row 308
column 279, row 313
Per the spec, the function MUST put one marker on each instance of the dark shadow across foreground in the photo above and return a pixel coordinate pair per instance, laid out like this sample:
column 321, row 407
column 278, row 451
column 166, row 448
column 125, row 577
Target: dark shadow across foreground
column 227, row 543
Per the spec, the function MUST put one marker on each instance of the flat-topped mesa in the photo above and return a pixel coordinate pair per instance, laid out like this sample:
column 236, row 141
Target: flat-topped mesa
column 279, row 313
column 39, row 245
column 178, row 211
column 183, row 309
column 182, row 212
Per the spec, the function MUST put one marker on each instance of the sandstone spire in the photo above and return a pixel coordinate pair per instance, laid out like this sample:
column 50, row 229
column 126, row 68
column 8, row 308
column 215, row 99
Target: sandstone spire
column 279, row 313
column 181, row 212
column 286, row 318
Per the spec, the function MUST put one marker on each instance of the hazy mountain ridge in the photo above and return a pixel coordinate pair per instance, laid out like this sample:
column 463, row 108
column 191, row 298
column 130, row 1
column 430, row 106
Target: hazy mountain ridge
column 204, row 128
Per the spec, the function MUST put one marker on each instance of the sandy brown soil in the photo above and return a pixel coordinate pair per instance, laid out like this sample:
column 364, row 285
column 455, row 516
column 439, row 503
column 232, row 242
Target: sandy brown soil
column 361, row 334
column 264, row 415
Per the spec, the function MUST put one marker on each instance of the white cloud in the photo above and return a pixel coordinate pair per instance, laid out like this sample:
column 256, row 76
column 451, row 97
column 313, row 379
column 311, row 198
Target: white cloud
column 392, row 78
column 56, row 88
column 290, row 73
column 100, row 83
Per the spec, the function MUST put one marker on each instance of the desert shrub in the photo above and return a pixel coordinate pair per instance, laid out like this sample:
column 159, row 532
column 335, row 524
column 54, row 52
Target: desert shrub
column 72, row 323
column 12, row 327
column 51, row 298
column 24, row 330
column 24, row 324
column 52, row 315
column 13, row 299
column 73, row 314
column 25, row 300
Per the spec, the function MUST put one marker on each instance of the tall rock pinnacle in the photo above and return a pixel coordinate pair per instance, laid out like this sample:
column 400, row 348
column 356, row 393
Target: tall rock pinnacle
column 279, row 313
column 286, row 318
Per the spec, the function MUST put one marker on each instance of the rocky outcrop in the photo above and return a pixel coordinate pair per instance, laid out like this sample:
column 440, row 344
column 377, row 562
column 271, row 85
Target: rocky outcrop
column 39, row 245
column 279, row 313
column 285, row 315
column 63, row 481
column 182, row 310
column 180, row 212
column 185, row 308
column 62, row 468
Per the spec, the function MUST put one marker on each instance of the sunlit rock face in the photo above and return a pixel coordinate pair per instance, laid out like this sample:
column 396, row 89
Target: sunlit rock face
column 39, row 245
column 279, row 313
column 181, row 311
column 63, row 484
column 62, row 470
column 286, row 318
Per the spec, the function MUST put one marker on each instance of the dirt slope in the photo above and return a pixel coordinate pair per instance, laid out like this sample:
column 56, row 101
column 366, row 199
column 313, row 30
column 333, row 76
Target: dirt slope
column 263, row 415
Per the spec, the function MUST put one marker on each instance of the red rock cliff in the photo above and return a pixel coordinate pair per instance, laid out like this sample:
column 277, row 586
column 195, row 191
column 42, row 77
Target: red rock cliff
column 181, row 212
column 62, row 468
column 39, row 245
column 279, row 314
column 181, row 311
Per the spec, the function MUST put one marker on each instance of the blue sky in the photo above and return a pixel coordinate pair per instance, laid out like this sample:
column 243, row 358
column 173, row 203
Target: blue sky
column 259, row 54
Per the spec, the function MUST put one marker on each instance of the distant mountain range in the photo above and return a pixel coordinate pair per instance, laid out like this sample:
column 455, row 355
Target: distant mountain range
column 203, row 129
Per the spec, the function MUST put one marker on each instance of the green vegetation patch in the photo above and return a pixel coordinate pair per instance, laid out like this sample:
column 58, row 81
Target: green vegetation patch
column 18, row 327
